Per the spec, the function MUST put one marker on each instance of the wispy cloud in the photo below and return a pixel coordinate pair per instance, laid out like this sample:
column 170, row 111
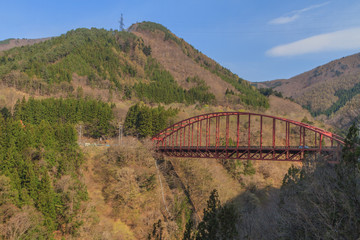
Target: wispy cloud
column 348, row 39
column 292, row 16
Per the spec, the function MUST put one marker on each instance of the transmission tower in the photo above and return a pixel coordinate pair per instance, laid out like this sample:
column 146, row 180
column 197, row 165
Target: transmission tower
column 121, row 22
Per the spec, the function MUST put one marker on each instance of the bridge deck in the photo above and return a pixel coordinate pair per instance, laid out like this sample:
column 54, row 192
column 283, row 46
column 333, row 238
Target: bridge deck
column 293, row 153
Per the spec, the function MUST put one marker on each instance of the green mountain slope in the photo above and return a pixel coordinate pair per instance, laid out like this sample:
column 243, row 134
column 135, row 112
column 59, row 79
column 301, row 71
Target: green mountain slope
column 120, row 62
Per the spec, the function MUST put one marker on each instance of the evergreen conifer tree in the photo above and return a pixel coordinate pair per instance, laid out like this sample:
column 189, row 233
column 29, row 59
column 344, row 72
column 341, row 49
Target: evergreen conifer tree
column 208, row 228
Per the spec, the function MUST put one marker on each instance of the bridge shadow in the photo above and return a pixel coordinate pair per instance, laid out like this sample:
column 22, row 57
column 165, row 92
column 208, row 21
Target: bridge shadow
column 260, row 209
column 257, row 212
column 174, row 181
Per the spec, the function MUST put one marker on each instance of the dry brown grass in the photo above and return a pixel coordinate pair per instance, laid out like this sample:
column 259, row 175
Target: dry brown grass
column 114, row 177
column 106, row 226
column 181, row 66
column 204, row 175
column 20, row 42
column 9, row 96
column 285, row 108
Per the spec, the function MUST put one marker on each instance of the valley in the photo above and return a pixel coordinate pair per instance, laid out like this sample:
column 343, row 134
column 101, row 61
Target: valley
column 146, row 79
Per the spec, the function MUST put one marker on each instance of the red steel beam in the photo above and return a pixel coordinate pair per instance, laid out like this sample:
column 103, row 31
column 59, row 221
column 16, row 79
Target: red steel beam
column 200, row 132
column 168, row 131
column 184, row 136
column 249, row 135
column 261, row 136
column 227, row 131
column 218, row 131
column 273, row 135
column 192, row 134
column 206, row 131
column 173, row 140
column 238, row 131
column 304, row 137
column 289, row 133
column 177, row 138
column 197, row 135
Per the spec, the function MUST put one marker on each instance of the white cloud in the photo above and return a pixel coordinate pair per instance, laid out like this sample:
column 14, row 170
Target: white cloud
column 348, row 39
column 292, row 16
column 283, row 20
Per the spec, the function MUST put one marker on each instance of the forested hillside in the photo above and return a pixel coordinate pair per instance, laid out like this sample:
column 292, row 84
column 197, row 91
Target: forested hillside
column 184, row 61
column 118, row 62
column 40, row 160
column 96, row 116
column 327, row 90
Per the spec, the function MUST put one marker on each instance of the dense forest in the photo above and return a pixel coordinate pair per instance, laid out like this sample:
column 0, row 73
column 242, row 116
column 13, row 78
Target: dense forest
column 94, row 115
column 39, row 181
column 143, row 121
column 40, row 161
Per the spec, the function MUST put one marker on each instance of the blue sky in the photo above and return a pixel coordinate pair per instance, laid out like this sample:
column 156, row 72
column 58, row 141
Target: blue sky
column 256, row 39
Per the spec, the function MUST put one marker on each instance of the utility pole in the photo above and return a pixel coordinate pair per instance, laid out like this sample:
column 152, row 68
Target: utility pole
column 120, row 133
column 80, row 133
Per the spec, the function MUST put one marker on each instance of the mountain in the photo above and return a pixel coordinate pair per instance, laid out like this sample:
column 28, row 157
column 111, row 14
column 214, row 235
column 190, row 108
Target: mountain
column 148, row 63
column 331, row 90
column 11, row 43
column 77, row 88
column 182, row 60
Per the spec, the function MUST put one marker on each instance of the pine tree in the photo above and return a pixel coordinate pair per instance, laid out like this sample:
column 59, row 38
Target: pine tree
column 131, row 119
column 5, row 113
column 157, row 232
column 218, row 222
column 209, row 226
column 351, row 148
column 46, row 200
column 228, row 219
column 144, row 122
column 188, row 234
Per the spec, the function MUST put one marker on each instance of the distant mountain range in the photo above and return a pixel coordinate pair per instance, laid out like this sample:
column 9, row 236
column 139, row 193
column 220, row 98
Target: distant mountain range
column 330, row 91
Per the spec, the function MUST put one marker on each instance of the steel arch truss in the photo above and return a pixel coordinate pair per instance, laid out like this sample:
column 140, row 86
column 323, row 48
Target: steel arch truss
column 243, row 135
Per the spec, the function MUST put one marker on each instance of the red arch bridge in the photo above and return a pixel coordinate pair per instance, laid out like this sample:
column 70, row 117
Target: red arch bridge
column 247, row 136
